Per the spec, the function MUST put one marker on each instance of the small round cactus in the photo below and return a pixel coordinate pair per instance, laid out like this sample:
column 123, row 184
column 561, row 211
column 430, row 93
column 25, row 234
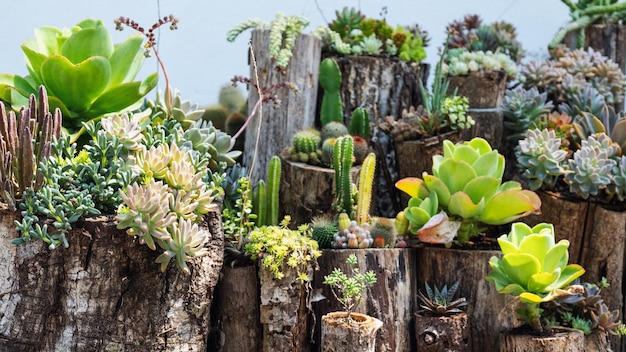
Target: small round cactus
column 328, row 146
column 333, row 129
column 323, row 230
column 361, row 149
column 383, row 229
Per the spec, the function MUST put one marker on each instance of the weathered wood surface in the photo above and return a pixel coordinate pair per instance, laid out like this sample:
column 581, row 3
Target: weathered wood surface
column 570, row 340
column 597, row 341
column 485, row 91
column 284, row 312
column 296, row 110
column 442, row 333
column 235, row 318
column 597, row 236
column 340, row 336
column 384, row 86
column 103, row 293
column 392, row 299
column 444, row 266
column 307, row 190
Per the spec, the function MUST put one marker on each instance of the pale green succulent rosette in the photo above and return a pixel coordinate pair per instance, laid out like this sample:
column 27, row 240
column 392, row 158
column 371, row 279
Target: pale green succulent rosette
column 533, row 267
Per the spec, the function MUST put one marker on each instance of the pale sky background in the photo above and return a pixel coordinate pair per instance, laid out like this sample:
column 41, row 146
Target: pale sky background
column 198, row 58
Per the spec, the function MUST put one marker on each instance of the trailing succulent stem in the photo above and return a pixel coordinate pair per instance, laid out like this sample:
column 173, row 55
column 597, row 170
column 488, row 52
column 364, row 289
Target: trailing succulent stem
column 366, row 181
column 330, row 80
column 342, row 163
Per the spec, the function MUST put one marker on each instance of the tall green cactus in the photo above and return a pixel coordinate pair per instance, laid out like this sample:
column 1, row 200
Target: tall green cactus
column 259, row 206
column 360, row 123
column 330, row 80
column 366, row 181
column 342, row 163
column 265, row 198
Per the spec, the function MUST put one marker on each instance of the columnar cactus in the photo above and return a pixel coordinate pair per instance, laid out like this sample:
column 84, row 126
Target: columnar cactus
column 342, row 163
column 366, row 181
column 330, row 80
column 360, row 123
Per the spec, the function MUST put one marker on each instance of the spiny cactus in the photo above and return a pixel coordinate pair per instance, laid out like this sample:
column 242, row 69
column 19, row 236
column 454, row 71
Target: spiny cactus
column 330, row 80
column 361, row 149
column 25, row 141
column 342, row 163
column 383, row 229
column 323, row 230
column 366, row 183
column 265, row 198
column 259, row 203
column 328, row 146
column 333, row 129
column 306, row 146
column 360, row 123
column 540, row 158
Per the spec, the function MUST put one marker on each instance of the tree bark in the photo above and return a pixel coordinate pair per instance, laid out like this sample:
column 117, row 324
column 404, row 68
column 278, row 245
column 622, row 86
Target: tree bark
column 341, row 335
column 597, row 341
column 564, row 339
column 296, row 110
column 442, row 333
column 306, row 190
column 444, row 266
column 392, row 299
column 597, row 236
column 485, row 91
column 103, row 293
column 236, row 320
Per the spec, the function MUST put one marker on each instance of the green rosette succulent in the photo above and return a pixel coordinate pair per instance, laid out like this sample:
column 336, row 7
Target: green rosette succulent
column 533, row 267
column 540, row 158
column 467, row 179
column 86, row 75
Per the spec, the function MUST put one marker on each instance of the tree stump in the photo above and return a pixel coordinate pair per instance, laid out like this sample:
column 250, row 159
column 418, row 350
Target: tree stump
column 444, row 266
column 284, row 312
column 296, row 110
column 597, row 236
column 442, row 333
column 564, row 339
column 236, row 321
column 341, row 335
column 485, row 91
column 597, row 341
column 384, row 86
column 103, row 293
column 393, row 298
column 307, row 190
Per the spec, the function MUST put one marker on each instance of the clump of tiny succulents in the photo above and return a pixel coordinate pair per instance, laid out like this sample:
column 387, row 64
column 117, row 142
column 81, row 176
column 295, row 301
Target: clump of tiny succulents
column 352, row 33
column 584, row 310
column 567, row 72
column 283, row 33
column 441, row 302
column 278, row 248
column 471, row 34
column 349, row 290
column 352, row 235
column 461, row 62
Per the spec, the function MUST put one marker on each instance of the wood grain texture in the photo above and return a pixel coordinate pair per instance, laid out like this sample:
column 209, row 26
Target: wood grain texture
column 570, row 340
column 338, row 335
column 442, row 333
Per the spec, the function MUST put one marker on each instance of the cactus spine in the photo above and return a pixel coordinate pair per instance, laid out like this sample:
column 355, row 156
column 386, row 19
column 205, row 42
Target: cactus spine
column 330, row 80
column 342, row 163
column 366, row 180
column 360, row 123
column 273, row 185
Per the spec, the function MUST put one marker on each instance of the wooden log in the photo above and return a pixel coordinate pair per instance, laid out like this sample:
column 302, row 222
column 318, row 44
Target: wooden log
column 442, row 333
column 236, row 321
column 392, row 299
column 597, row 341
column 609, row 40
column 307, row 190
column 356, row 335
column 597, row 236
column 103, row 293
column 485, row 91
column 296, row 110
column 444, row 266
column 284, row 312
column 564, row 339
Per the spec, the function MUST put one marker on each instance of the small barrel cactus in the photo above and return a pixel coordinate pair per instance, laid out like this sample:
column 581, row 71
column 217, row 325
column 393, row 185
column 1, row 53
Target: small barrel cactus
column 333, row 129
column 306, row 146
column 328, row 146
column 323, row 231
column 384, row 228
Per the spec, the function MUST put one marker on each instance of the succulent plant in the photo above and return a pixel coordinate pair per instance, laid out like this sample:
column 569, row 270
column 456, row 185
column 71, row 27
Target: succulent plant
column 342, row 163
column 523, row 108
column 347, row 20
column 441, row 302
column 590, row 168
column 62, row 60
column 360, row 123
column 533, row 267
column 323, row 230
column 467, row 179
column 462, row 61
column 540, row 158
column 333, row 129
column 186, row 241
column 205, row 141
column 384, row 233
column 25, row 140
column 456, row 108
column 365, row 189
column 306, row 146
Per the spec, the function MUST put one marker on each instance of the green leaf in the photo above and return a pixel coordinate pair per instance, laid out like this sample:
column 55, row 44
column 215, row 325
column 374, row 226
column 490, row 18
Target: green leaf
column 520, row 267
column 569, row 274
column 34, row 60
column 127, row 60
column 482, row 188
column 460, row 204
column 528, row 297
column 466, row 153
column 488, row 165
column 540, row 281
column 121, row 97
column 519, row 231
column 455, row 174
column 434, row 184
column 480, row 144
column 417, row 215
column 556, row 257
column 69, row 81
column 508, row 206
column 537, row 245
column 87, row 43
column 506, row 246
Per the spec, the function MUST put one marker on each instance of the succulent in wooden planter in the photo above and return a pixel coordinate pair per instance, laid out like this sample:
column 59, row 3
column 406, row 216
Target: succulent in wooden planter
column 467, row 179
column 534, row 268
column 441, row 301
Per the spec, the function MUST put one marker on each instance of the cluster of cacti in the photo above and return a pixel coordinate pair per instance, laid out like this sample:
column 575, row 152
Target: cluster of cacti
column 230, row 109
column 462, row 62
column 306, row 147
column 265, row 202
column 352, row 235
column 25, row 140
